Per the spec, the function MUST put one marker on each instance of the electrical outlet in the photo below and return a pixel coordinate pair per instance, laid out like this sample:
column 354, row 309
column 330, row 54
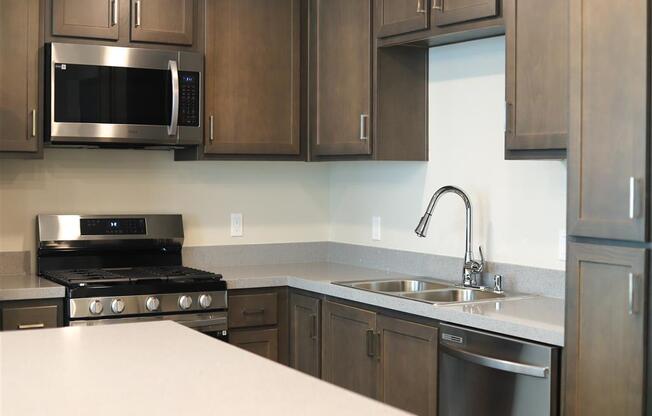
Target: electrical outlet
column 236, row 225
column 375, row 228
column 562, row 245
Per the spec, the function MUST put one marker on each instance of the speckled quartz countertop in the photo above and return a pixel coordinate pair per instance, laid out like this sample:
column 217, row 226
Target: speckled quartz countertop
column 156, row 368
column 535, row 318
column 22, row 287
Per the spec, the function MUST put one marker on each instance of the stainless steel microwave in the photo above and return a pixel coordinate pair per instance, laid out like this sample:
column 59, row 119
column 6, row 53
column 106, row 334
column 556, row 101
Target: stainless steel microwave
column 113, row 96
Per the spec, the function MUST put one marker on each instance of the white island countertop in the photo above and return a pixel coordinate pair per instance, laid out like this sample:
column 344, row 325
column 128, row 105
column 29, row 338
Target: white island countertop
column 535, row 318
column 156, row 368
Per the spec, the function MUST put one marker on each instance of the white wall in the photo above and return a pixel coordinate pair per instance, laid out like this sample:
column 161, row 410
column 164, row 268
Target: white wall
column 519, row 207
column 280, row 202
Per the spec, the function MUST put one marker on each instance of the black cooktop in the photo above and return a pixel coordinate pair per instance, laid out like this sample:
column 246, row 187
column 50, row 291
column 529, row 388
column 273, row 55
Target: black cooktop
column 135, row 280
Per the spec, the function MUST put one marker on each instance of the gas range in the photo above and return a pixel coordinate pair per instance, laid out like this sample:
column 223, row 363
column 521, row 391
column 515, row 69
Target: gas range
column 125, row 268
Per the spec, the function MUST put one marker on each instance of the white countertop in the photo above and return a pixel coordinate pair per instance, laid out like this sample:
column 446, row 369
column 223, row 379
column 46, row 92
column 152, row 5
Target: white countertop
column 535, row 318
column 156, row 368
column 22, row 287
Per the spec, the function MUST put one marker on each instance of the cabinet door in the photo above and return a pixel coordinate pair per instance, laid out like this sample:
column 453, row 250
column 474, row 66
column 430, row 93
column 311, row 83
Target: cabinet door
column 448, row 12
column 349, row 357
column 408, row 365
column 340, row 77
column 162, row 21
column 96, row 19
column 305, row 334
column 263, row 342
column 605, row 318
column 396, row 17
column 536, row 78
column 253, row 77
column 609, row 108
column 19, row 45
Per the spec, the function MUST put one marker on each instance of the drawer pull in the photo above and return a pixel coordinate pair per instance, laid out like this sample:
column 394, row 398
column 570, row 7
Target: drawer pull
column 31, row 326
column 253, row 311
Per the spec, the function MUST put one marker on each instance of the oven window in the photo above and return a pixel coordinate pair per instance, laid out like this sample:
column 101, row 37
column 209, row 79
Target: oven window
column 115, row 95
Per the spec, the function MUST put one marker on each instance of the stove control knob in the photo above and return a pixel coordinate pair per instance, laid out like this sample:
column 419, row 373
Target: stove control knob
column 152, row 303
column 95, row 307
column 185, row 302
column 117, row 305
column 205, row 301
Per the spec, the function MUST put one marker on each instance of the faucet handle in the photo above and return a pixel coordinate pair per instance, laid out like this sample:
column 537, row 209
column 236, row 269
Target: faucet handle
column 478, row 266
column 498, row 283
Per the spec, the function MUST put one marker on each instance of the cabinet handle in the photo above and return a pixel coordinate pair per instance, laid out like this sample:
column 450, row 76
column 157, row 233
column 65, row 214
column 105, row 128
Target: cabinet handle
column 313, row 328
column 137, row 12
column 633, row 198
column 370, row 343
column 210, row 128
column 420, row 7
column 114, row 12
column 34, row 123
column 508, row 117
column 438, row 5
column 253, row 311
column 31, row 326
column 632, row 298
column 363, row 127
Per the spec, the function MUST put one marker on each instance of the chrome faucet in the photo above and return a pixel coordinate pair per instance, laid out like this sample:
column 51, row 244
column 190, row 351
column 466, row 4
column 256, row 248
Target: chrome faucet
column 472, row 268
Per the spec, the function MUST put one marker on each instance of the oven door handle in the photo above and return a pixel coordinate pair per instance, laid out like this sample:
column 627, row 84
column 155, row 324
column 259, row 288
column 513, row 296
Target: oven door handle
column 174, row 121
column 496, row 363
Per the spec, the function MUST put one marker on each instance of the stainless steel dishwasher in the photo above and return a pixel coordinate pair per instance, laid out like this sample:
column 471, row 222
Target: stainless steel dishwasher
column 487, row 374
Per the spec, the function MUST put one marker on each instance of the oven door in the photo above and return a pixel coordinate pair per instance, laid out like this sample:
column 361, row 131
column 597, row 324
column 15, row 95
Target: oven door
column 112, row 95
column 485, row 374
column 213, row 324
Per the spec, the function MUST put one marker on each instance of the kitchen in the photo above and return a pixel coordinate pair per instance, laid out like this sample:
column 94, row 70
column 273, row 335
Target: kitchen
column 288, row 168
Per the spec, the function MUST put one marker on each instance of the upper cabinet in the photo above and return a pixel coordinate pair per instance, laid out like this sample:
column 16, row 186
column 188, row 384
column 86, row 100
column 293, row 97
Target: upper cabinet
column 609, row 119
column 341, row 77
column 253, row 77
column 162, row 21
column 428, row 23
column 96, row 19
column 396, row 17
column 448, row 12
column 123, row 22
column 536, row 79
column 19, row 74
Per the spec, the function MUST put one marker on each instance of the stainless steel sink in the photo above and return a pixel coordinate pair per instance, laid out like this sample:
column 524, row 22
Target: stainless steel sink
column 396, row 286
column 454, row 295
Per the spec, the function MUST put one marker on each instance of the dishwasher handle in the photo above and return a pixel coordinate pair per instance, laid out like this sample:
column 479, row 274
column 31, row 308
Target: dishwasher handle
column 496, row 363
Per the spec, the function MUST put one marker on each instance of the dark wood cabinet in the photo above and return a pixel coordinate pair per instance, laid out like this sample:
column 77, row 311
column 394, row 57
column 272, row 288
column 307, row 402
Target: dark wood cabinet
column 31, row 314
column 253, row 77
column 305, row 334
column 536, row 79
column 606, row 298
column 396, row 17
column 258, row 322
column 349, row 348
column 162, row 21
column 609, row 119
column 263, row 342
column 448, row 12
column 408, row 365
column 97, row 19
column 340, row 65
column 19, row 76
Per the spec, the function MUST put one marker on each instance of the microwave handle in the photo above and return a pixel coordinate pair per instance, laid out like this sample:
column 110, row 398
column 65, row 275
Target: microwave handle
column 174, row 122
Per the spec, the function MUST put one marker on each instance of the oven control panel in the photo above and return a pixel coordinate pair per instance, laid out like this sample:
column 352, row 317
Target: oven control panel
column 189, row 94
column 112, row 226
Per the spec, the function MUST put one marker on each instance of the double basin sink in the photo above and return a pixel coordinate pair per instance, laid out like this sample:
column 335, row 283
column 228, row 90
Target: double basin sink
column 425, row 290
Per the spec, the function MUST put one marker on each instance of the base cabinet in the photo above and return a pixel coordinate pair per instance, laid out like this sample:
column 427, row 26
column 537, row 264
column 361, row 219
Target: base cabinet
column 305, row 334
column 382, row 357
column 605, row 330
column 263, row 342
column 20, row 315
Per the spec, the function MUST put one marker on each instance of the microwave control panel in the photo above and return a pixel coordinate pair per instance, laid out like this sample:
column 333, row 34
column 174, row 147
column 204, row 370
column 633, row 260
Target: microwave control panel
column 189, row 94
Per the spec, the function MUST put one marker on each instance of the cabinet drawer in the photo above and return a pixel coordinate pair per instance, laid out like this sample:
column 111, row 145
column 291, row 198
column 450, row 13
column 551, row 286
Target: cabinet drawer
column 253, row 310
column 29, row 317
